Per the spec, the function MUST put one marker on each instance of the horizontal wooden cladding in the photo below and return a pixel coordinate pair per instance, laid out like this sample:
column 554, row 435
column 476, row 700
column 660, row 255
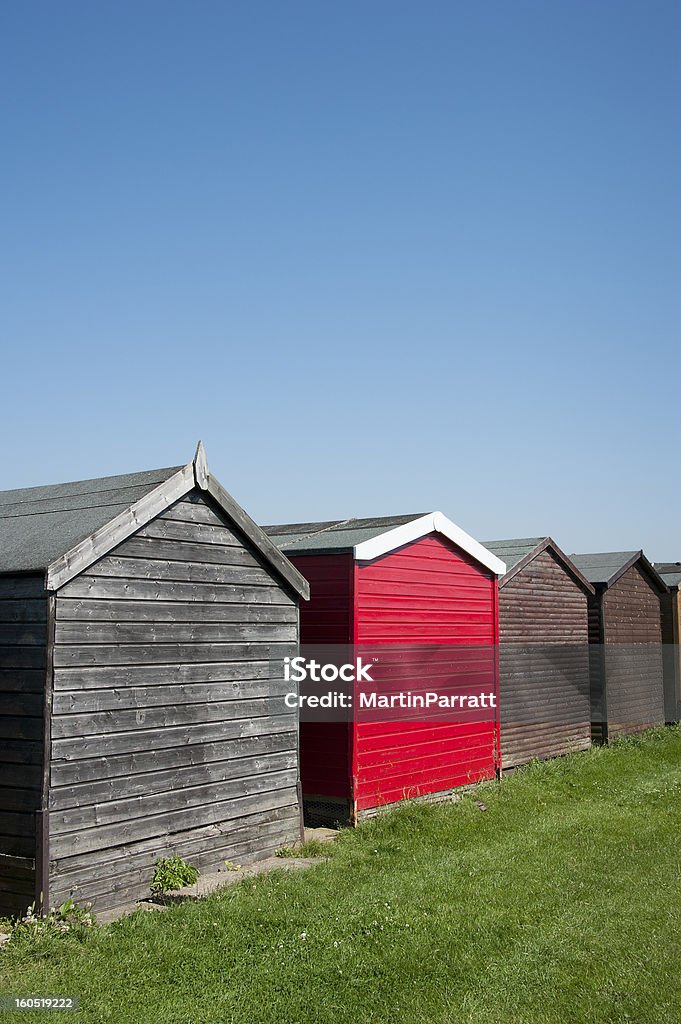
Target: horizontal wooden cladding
column 157, row 569
column 23, row 611
column 446, row 771
column 384, row 577
column 86, row 747
column 631, row 610
column 119, row 677
column 22, row 680
column 119, row 720
column 324, row 768
column 229, row 779
column 23, row 634
column 15, row 657
column 169, row 730
column 520, row 744
column 173, row 611
column 15, row 727
column 103, row 772
column 19, row 751
column 424, row 593
column 273, row 753
column 17, row 832
column 195, row 694
column 326, row 617
column 260, row 794
column 472, row 771
column 136, row 590
column 393, row 738
column 22, row 587
column 23, row 775
column 185, row 531
column 164, row 653
column 117, row 633
column 192, row 554
column 543, row 604
column 110, row 877
column 17, row 884
column 19, row 702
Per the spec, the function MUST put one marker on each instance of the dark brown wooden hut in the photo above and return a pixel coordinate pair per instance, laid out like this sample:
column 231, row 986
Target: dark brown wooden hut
column 671, row 638
column 544, row 657
column 143, row 622
column 625, row 631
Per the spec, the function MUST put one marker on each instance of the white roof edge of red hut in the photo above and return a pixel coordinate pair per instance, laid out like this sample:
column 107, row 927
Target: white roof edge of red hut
column 433, row 522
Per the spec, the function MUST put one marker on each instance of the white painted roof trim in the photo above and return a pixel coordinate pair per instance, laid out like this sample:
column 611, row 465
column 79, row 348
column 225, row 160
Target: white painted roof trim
column 434, row 522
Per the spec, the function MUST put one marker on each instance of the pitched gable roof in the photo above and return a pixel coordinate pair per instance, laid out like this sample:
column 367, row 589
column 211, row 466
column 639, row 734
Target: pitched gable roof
column 520, row 552
column 373, row 537
column 604, row 568
column 62, row 529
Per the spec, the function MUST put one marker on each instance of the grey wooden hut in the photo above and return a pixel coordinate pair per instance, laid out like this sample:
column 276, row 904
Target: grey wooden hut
column 544, row 700
column 625, row 631
column 143, row 622
column 671, row 638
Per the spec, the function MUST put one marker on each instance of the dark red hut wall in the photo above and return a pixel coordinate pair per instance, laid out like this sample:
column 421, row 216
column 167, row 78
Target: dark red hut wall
column 544, row 688
column 634, row 679
column 428, row 592
column 325, row 619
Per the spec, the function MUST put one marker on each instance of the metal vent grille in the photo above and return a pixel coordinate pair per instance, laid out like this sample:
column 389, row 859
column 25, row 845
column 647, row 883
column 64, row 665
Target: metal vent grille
column 325, row 813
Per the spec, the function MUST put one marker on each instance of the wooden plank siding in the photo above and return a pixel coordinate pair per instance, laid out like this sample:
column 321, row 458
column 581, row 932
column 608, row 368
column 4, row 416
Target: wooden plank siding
column 23, row 635
column 325, row 746
column 427, row 595
column 627, row 686
column 634, row 681
column 169, row 731
column 544, row 663
column 671, row 632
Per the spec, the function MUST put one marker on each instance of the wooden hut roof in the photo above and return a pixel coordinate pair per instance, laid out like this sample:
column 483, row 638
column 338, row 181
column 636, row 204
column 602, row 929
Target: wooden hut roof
column 38, row 524
column 604, row 568
column 61, row 529
column 670, row 573
column 519, row 552
column 373, row 537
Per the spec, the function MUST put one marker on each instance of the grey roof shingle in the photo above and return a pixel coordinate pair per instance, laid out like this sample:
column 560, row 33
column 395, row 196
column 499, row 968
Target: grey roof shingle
column 601, row 566
column 38, row 524
column 334, row 534
column 670, row 572
column 512, row 551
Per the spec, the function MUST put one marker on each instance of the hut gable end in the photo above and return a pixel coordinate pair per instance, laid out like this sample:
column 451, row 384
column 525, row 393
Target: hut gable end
column 632, row 609
column 168, row 731
column 555, row 601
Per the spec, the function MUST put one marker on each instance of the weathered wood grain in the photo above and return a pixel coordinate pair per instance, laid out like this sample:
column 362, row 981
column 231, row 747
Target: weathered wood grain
column 168, row 721
column 68, row 775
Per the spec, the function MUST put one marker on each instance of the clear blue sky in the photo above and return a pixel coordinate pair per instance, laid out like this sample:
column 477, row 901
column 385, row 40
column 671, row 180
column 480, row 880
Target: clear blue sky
column 381, row 256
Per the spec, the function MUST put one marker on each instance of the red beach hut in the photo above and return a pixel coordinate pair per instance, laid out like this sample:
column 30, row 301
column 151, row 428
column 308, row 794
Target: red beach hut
column 413, row 580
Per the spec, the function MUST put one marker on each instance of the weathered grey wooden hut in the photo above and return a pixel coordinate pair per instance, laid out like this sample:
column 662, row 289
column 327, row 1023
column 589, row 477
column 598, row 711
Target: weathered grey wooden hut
column 625, row 631
column 143, row 623
column 671, row 638
column 544, row 700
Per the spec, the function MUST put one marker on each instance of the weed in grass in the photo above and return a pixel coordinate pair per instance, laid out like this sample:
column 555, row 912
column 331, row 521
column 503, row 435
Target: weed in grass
column 172, row 873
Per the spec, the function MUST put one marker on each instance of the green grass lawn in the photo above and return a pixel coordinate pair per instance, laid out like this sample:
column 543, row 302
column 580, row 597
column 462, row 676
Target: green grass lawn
column 558, row 904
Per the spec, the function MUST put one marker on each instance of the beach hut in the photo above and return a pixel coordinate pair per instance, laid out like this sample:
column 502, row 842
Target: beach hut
column 143, row 624
column 424, row 588
column 544, row 654
column 671, row 638
column 625, row 632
